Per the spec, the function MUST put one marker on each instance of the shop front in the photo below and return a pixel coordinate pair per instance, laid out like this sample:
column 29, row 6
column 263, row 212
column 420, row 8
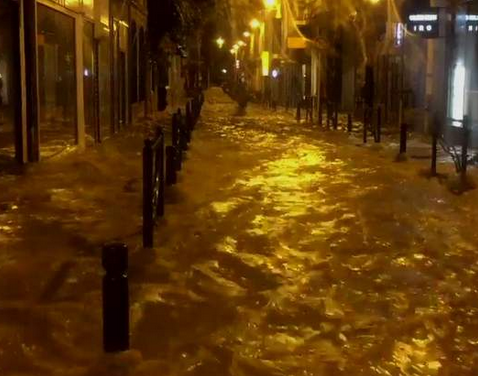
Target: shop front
column 10, row 95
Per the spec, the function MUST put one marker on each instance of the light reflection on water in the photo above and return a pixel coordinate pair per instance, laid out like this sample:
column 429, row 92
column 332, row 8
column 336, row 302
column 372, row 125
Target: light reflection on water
column 290, row 252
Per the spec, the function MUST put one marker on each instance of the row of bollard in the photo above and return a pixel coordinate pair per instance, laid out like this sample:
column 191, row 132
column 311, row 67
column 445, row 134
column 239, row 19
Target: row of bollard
column 464, row 144
column 115, row 290
column 181, row 130
column 332, row 118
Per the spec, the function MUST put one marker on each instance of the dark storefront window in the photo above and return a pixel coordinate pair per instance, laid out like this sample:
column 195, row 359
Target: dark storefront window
column 8, row 79
column 105, row 87
column 57, row 84
column 89, row 74
column 142, row 66
column 134, row 64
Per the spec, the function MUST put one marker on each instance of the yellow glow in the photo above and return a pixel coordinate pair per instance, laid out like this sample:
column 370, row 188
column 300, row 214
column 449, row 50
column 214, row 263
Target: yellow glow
column 246, row 34
column 265, row 63
column 232, row 51
column 270, row 4
column 220, row 42
column 255, row 23
column 241, row 43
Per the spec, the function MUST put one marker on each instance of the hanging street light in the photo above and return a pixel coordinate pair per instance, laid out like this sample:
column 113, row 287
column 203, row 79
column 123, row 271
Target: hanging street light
column 220, row 42
column 255, row 23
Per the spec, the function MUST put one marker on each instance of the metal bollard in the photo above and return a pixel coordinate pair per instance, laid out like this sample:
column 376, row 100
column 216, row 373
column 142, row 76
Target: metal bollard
column 183, row 145
column 403, row 138
column 320, row 118
column 115, row 298
column 311, row 109
column 175, row 142
column 434, row 152
column 349, row 123
column 464, row 146
column 171, row 177
column 365, row 124
column 189, row 121
column 148, row 224
column 298, row 115
column 329, row 115
column 175, row 130
column 378, row 131
column 190, row 114
column 336, row 116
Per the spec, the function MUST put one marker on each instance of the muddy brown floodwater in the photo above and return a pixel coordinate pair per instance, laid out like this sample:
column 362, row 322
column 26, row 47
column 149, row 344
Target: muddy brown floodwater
column 285, row 251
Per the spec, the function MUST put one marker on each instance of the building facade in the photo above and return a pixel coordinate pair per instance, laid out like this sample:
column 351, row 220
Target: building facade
column 72, row 73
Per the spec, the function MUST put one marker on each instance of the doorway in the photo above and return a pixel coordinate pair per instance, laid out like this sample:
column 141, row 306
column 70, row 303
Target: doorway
column 10, row 95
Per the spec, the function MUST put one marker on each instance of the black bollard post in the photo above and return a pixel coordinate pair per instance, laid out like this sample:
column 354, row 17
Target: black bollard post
column 298, row 115
column 311, row 109
column 159, row 171
column 336, row 115
column 349, row 122
column 378, row 131
column 464, row 147
column 183, row 145
column 329, row 115
column 434, row 152
column 403, row 138
column 115, row 298
column 365, row 124
column 189, row 121
column 171, row 177
column 148, row 221
column 175, row 142
column 320, row 118
column 194, row 111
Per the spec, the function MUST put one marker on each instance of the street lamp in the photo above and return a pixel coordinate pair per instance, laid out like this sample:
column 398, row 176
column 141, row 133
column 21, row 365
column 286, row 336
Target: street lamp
column 255, row 23
column 220, row 42
column 241, row 43
column 270, row 4
column 246, row 34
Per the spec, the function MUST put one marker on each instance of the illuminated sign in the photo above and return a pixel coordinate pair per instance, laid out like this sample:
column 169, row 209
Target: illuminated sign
column 424, row 24
column 472, row 23
column 398, row 34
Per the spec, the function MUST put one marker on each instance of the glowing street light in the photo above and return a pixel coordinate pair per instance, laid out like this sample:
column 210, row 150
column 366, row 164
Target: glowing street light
column 241, row 43
column 270, row 4
column 255, row 23
column 220, row 42
column 246, row 34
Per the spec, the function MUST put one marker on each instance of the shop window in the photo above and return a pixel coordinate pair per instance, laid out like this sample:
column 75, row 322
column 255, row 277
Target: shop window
column 142, row 66
column 57, row 84
column 105, row 87
column 9, row 89
column 89, row 74
column 134, row 64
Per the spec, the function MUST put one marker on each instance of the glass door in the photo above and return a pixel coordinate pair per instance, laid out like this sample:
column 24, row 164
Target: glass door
column 57, row 80
column 9, row 82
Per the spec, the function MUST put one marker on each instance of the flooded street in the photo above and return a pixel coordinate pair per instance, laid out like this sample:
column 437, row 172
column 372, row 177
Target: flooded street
column 285, row 251
column 293, row 252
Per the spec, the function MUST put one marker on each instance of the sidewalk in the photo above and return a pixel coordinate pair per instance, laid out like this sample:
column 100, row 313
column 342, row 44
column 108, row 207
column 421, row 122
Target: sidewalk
column 285, row 250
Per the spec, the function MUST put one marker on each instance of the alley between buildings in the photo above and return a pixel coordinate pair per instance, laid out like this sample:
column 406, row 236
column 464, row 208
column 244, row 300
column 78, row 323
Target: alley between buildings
column 285, row 250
